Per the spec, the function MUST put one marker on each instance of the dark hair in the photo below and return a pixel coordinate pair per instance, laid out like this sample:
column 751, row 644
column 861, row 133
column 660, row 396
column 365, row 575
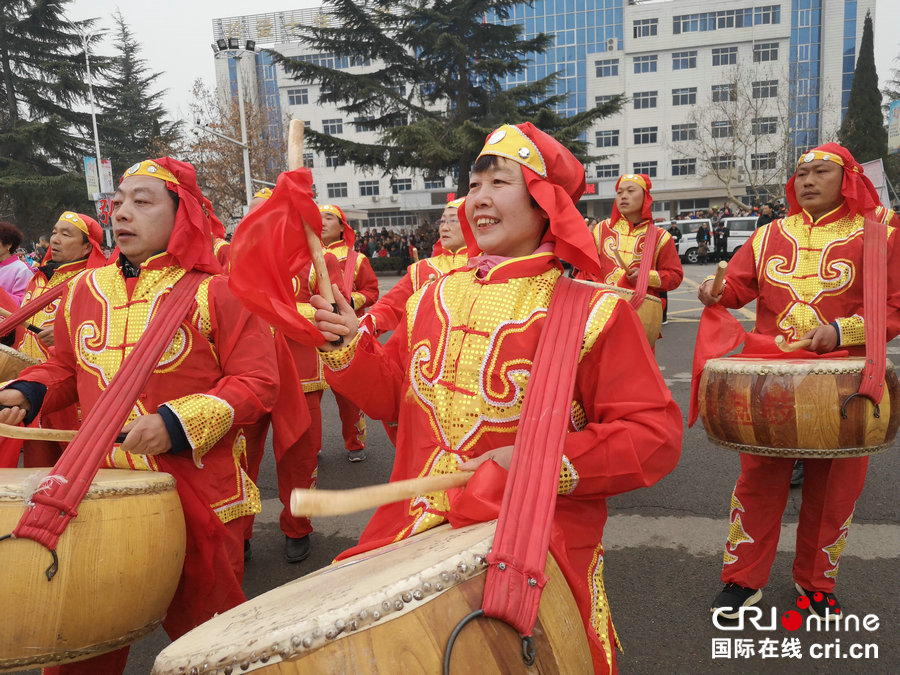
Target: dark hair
column 10, row 236
column 174, row 196
column 486, row 162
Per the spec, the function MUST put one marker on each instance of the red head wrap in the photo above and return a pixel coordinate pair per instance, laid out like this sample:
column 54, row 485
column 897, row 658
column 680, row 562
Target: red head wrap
column 856, row 188
column 195, row 222
column 555, row 178
column 94, row 234
column 642, row 180
column 348, row 235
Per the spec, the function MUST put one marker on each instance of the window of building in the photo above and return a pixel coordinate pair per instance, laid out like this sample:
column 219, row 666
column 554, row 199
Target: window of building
column 645, row 64
column 765, row 51
column 765, row 89
column 684, row 132
column 685, row 96
column 608, row 139
column 607, row 171
column 722, row 129
column 724, row 92
column 333, row 161
column 364, row 123
column 726, row 18
column 762, row 161
column 336, row 190
column 767, row 14
column 399, row 185
column 369, row 188
column 644, row 99
column 646, row 27
column 644, row 135
column 333, row 126
column 764, row 125
column 684, row 60
column 309, row 160
column 724, row 56
column 722, row 162
column 600, row 100
column 648, row 168
column 684, row 167
column 298, row 96
column 435, row 183
column 607, row 67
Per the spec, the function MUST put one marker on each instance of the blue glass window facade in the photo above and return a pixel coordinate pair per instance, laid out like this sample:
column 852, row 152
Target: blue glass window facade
column 805, row 72
column 849, row 47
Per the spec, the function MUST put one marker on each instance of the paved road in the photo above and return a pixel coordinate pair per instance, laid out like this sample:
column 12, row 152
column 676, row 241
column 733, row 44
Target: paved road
column 664, row 544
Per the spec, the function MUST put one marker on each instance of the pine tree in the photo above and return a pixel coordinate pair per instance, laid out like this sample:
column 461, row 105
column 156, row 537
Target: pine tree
column 131, row 121
column 436, row 90
column 42, row 131
column 862, row 132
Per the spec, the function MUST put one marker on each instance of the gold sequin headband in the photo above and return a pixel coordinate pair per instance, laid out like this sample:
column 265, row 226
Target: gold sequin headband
column 76, row 220
column 264, row 193
column 150, row 168
column 813, row 155
column 634, row 178
column 509, row 141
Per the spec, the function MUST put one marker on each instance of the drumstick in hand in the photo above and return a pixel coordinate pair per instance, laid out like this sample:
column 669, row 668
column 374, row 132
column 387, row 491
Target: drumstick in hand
column 29, row 326
column 719, row 280
column 39, row 434
column 619, row 259
column 338, row 502
column 786, row 346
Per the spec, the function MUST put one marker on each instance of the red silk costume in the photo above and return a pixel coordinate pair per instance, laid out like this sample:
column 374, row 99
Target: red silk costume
column 802, row 274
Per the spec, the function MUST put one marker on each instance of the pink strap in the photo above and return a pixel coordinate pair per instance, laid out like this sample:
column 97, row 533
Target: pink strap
column 640, row 291
column 875, row 302
column 515, row 576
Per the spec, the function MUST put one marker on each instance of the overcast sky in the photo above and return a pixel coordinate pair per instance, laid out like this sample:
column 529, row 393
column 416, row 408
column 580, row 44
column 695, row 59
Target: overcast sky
column 176, row 37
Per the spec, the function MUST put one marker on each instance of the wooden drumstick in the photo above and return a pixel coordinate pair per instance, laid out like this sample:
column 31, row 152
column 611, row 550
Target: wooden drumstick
column 339, row 502
column 786, row 346
column 619, row 259
column 29, row 326
column 38, row 434
column 719, row 280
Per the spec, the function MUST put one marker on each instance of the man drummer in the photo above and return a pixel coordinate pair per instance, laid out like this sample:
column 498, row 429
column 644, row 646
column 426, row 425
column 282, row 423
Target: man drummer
column 805, row 273
column 217, row 375
column 455, row 371
column 626, row 233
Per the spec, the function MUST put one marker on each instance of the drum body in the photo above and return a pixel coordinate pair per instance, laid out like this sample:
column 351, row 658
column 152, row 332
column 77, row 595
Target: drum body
column 792, row 407
column 390, row 610
column 650, row 312
column 120, row 562
column 13, row 362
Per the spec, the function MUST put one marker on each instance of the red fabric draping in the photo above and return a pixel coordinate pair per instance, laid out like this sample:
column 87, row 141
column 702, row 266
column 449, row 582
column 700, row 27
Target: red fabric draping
column 643, row 280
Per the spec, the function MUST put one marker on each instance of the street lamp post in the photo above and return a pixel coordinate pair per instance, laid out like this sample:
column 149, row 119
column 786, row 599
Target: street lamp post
column 87, row 62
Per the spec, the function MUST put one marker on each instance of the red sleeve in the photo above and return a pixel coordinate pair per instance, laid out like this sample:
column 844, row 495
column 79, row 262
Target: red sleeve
column 387, row 312
column 668, row 265
column 741, row 283
column 633, row 435
column 365, row 285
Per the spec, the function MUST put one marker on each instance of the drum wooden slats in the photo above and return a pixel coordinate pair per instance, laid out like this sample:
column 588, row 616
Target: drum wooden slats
column 791, row 408
column 120, row 562
column 386, row 611
column 13, row 362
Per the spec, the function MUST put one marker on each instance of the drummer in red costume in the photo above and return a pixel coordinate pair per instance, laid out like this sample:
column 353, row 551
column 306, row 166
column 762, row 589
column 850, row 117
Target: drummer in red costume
column 217, row 376
column 450, row 252
column 455, row 372
column 805, row 273
column 626, row 231
column 76, row 244
column 360, row 284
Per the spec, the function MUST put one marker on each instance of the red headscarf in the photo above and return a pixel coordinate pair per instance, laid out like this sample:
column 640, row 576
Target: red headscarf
column 642, row 180
column 856, row 188
column 195, row 222
column 348, row 235
column 94, row 234
column 555, row 178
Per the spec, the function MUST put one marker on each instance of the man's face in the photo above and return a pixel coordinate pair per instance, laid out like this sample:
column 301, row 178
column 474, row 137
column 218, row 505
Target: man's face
column 500, row 211
column 67, row 243
column 331, row 228
column 817, row 185
column 143, row 217
column 449, row 228
column 630, row 200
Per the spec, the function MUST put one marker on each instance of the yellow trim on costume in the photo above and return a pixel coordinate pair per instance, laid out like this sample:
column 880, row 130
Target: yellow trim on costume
column 813, row 155
column 76, row 220
column 340, row 358
column 150, row 168
column 816, row 221
column 456, row 203
column 509, row 141
column 512, row 260
column 264, row 193
column 205, row 420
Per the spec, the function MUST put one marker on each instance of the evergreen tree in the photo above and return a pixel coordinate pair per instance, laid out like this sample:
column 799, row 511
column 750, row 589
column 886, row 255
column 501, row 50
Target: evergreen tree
column 862, row 131
column 131, row 122
column 41, row 131
column 436, row 88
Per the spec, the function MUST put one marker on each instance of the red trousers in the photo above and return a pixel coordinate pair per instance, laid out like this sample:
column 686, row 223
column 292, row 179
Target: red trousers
column 256, row 444
column 830, row 490
column 298, row 468
column 353, row 423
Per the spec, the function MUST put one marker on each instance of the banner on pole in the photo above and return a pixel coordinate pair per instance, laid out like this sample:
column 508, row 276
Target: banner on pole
column 106, row 177
column 91, row 176
column 894, row 128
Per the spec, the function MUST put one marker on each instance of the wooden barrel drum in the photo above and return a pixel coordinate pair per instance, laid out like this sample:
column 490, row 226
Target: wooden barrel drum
column 390, row 610
column 120, row 562
column 13, row 362
column 793, row 407
column 650, row 312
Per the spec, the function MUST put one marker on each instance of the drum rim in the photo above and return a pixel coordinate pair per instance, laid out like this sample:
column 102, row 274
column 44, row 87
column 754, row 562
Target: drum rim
column 800, row 453
column 741, row 366
column 156, row 482
column 30, row 360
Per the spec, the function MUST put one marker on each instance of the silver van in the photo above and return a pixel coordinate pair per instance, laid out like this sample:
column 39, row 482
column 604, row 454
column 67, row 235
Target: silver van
column 739, row 231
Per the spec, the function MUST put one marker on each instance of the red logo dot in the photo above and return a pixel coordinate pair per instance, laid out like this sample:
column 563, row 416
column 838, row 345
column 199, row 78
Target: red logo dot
column 831, row 601
column 803, row 602
column 791, row 620
column 817, row 596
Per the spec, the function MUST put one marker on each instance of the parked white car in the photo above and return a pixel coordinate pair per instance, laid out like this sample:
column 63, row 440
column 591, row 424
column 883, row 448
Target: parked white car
column 739, row 231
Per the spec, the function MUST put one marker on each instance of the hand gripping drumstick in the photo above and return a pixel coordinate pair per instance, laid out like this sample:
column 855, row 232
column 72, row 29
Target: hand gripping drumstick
column 29, row 326
column 719, row 280
column 339, row 502
column 295, row 160
column 37, row 434
column 786, row 346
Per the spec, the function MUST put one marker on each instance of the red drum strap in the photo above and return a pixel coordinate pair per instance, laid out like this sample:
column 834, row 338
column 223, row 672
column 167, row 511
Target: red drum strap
column 640, row 290
column 875, row 303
